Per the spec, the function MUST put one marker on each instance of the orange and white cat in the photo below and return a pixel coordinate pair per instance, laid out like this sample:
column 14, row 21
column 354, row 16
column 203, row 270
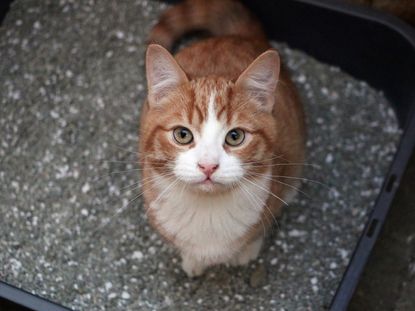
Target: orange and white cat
column 222, row 134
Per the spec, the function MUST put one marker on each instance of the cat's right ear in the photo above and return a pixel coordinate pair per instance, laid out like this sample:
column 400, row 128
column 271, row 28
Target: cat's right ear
column 163, row 73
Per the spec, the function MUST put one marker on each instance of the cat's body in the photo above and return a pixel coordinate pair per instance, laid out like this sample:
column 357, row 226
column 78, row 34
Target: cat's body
column 214, row 195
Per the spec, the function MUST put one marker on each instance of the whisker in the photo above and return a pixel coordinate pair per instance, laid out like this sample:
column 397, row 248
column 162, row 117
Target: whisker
column 233, row 217
column 124, row 149
column 284, row 164
column 126, row 171
column 165, row 191
column 287, row 162
column 116, row 213
column 266, row 206
column 270, row 192
column 264, row 160
column 140, row 169
column 114, row 173
column 304, row 179
column 123, row 162
column 114, row 161
column 123, row 208
column 249, row 197
column 146, row 180
column 297, row 178
column 288, row 185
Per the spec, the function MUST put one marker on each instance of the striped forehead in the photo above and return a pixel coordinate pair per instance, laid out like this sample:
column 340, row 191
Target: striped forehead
column 209, row 98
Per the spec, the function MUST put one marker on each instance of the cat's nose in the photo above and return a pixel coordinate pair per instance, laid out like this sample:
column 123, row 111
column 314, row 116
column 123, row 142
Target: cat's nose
column 208, row 168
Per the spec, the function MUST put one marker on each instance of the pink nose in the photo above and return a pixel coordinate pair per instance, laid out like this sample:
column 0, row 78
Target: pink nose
column 208, row 169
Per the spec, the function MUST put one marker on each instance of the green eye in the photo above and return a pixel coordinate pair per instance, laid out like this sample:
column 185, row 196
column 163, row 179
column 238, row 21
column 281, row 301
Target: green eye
column 235, row 137
column 182, row 135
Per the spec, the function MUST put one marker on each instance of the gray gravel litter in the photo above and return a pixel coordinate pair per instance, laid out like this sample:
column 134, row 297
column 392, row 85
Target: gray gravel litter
column 72, row 226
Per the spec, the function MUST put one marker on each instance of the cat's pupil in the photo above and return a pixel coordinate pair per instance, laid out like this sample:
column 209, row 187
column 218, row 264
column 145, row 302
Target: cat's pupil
column 234, row 135
column 183, row 133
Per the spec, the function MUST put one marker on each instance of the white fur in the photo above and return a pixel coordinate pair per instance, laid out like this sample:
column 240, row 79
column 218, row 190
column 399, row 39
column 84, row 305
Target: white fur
column 207, row 227
column 209, row 149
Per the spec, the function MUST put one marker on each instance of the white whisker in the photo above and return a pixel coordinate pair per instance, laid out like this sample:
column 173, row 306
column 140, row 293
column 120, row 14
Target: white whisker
column 297, row 178
column 144, row 181
column 266, row 206
column 270, row 192
column 249, row 197
column 282, row 164
column 285, row 184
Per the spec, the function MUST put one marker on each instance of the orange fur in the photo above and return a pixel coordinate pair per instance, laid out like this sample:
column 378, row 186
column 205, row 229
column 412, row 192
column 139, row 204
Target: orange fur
column 215, row 64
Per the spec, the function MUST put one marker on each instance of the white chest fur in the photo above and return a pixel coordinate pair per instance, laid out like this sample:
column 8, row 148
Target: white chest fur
column 209, row 226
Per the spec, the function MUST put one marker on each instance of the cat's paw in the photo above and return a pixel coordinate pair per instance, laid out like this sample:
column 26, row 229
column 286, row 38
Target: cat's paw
column 192, row 267
column 250, row 252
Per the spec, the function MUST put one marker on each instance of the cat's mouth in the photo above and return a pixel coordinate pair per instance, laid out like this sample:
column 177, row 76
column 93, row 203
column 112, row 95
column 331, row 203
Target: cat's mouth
column 209, row 185
column 207, row 181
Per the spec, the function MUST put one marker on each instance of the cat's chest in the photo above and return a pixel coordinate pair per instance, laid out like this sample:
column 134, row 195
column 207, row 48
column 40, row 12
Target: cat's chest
column 210, row 225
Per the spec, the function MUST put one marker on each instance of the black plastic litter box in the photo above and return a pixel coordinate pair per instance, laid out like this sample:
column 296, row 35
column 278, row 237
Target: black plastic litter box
column 369, row 45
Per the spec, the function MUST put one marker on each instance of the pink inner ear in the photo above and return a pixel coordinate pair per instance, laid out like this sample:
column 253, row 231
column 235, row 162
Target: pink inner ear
column 260, row 79
column 163, row 73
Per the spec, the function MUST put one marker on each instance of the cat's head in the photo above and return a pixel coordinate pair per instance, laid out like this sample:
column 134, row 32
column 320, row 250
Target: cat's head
column 209, row 133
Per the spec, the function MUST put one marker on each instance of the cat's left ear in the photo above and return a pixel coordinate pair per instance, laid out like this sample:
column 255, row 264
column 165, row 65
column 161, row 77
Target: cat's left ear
column 260, row 79
column 163, row 73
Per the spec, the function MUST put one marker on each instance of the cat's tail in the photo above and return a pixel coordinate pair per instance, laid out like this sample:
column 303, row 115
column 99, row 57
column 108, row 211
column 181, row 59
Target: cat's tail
column 218, row 17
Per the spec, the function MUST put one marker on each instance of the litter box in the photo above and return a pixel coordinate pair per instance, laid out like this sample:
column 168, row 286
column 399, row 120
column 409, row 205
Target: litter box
column 370, row 46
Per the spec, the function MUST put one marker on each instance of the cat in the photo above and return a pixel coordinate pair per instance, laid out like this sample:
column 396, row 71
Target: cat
column 222, row 135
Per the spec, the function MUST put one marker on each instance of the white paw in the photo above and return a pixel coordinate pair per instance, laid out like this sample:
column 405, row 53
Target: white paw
column 192, row 267
column 250, row 252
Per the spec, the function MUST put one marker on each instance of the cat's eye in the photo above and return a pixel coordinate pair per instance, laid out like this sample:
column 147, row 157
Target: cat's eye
column 182, row 135
column 235, row 137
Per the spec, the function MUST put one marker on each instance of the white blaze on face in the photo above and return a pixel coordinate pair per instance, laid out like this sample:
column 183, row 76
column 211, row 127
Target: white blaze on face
column 209, row 150
column 210, row 147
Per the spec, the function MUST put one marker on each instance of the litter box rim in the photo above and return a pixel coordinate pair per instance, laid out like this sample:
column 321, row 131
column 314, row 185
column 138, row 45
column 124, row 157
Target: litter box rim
column 406, row 115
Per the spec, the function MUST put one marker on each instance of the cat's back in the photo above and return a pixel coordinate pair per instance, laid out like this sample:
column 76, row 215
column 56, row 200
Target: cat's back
column 237, row 36
column 225, row 56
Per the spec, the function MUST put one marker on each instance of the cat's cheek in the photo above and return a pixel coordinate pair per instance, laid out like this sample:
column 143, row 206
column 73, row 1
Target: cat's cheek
column 185, row 168
column 231, row 170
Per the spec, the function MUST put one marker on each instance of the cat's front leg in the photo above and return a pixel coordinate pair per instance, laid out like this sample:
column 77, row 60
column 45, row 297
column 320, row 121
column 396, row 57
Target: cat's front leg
column 248, row 253
column 192, row 266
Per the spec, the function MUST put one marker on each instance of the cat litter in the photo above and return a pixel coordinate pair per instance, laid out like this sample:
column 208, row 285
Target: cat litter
column 72, row 225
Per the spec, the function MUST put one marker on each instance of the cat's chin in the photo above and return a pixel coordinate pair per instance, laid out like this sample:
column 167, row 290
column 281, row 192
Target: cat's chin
column 209, row 186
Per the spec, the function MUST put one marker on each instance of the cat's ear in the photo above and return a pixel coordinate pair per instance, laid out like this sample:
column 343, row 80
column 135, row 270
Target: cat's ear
column 163, row 73
column 260, row 79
